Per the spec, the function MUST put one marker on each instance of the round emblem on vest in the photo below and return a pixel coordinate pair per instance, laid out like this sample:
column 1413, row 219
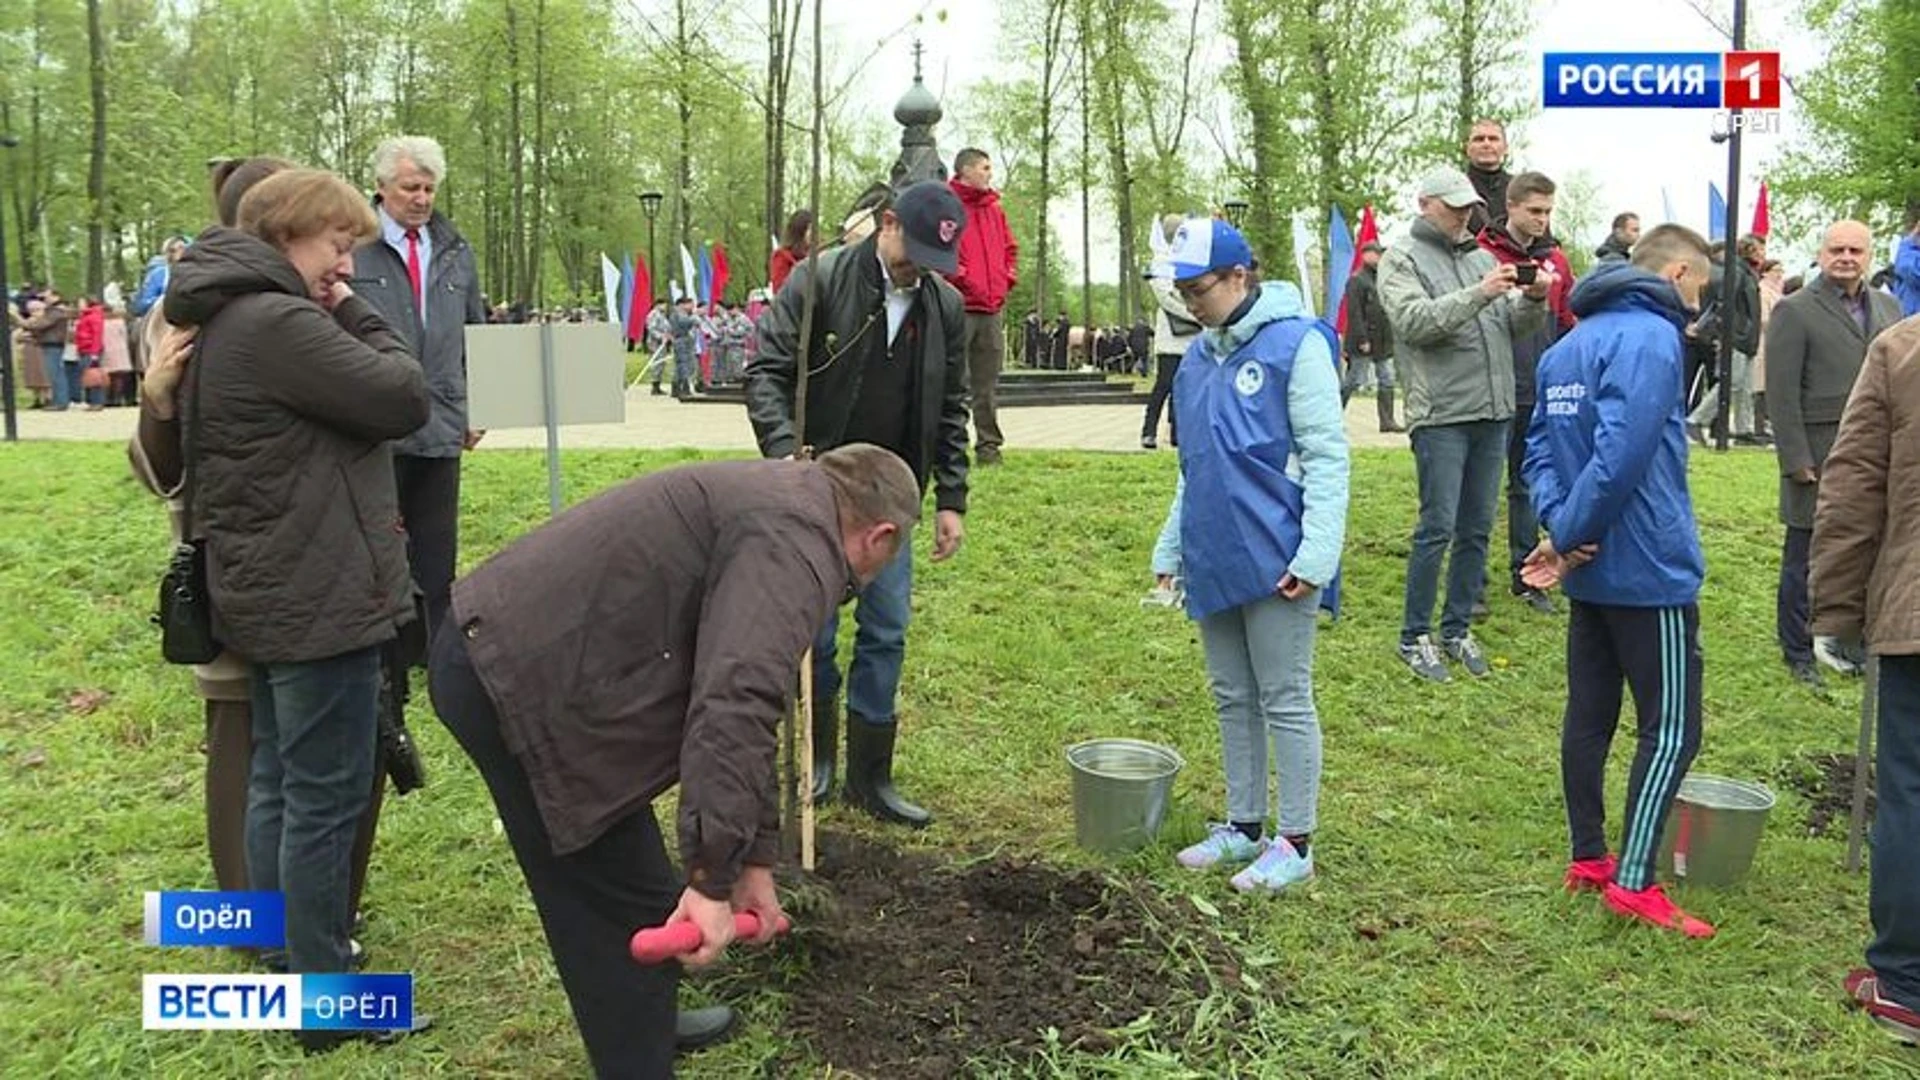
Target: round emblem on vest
column 1250, row 378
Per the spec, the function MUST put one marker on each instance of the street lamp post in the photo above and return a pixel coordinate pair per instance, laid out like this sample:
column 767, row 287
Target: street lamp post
column 6, row 333
column 650, row 203
column 1729, row 280
column 1236, row 211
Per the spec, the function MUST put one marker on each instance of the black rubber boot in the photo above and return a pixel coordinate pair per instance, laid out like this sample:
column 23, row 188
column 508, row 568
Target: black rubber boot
column 696, row 1029
column 826, row 744
column 870, row 774
column 1384, row 403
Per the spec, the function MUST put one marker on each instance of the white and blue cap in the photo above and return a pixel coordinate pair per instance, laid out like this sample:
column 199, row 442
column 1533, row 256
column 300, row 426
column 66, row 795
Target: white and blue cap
column 1202, row 246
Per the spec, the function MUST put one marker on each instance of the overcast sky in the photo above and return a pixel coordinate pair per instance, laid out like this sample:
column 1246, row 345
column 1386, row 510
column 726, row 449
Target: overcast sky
column 1631, row 154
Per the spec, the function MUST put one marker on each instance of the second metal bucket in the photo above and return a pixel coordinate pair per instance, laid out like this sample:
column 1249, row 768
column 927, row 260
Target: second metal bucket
column 1714, row 830
column 1120, row 791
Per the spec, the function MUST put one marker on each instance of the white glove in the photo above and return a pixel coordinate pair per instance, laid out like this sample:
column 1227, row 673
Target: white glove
column 1844, row 655
column 1166, row 597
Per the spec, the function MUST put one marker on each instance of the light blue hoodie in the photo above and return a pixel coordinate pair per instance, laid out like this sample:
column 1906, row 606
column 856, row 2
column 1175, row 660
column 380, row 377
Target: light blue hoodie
column 1319, row 462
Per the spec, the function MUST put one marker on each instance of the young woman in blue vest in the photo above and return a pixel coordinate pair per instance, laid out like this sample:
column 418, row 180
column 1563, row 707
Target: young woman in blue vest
column 1255, row 531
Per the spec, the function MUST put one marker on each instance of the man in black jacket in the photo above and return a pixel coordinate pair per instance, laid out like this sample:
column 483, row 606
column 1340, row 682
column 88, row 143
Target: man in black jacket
column 886, row 365
column 1619, row 242
column 1369, row 337
column 1745, row 328
column 1487, row 169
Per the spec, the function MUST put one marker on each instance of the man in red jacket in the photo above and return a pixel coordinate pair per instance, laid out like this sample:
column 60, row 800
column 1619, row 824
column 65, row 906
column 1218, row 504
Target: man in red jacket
column 988, row 270
column 1523, row 236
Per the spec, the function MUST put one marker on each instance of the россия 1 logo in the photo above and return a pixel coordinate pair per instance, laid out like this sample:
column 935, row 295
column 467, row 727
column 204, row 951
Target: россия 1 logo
column 1743, row 86
column 1630, row 80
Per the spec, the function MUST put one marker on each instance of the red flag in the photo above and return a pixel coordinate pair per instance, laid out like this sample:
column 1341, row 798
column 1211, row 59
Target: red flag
column 642, row 303
column 1369, row 233
column 721, row 271
column 1762, row 221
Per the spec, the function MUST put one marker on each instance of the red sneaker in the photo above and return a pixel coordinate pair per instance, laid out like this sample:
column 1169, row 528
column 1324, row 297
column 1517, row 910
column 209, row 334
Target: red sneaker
column 1863, row 986
column 1591, row 873
column 1651, row 905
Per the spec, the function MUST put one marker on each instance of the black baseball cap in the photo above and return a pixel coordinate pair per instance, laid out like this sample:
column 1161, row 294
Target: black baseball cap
column 932, row 219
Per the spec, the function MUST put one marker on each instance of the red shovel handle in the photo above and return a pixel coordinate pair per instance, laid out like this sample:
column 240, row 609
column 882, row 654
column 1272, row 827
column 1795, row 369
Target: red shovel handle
column 656, row 944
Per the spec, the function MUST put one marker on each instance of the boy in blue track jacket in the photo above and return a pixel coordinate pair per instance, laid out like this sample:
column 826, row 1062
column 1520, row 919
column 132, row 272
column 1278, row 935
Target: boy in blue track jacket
column 1607, row 464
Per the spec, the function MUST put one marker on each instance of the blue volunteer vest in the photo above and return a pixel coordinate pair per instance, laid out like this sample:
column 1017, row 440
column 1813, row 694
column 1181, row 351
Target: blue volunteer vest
column 1240, row 516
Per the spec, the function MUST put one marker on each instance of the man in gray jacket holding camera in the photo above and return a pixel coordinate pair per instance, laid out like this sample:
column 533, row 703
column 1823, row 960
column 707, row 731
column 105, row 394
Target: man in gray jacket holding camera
column 1455, row 313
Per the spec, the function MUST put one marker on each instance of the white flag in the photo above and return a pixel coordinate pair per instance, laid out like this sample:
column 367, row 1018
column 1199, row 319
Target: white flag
column 1303, row 244
column 692, row 275
column 610, row 280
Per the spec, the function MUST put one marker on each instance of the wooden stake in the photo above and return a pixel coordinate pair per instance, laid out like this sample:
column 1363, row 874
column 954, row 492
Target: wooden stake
column 801, row 734
column 803, row 723
column 1863, row 755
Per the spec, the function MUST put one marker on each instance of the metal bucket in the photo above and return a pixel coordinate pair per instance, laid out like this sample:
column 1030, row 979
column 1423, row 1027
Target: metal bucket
column 1120, row 791
column 1714, row 830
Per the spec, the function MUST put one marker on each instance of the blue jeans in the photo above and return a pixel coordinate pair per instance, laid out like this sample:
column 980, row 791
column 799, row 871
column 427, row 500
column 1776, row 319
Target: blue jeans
column 1357, row 372
column 77, row 368
column 1894, row 894
column 1260, row 662
column 1459, row 466
column 1523, row 528
column 881, row 615
column 52, row 359
column 314, row 732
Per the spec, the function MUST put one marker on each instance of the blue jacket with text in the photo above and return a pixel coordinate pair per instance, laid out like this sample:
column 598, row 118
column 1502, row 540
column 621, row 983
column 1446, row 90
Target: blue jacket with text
column 1606, row 453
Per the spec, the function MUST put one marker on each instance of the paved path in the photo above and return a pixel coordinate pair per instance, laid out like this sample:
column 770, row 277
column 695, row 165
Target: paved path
column 658, row 423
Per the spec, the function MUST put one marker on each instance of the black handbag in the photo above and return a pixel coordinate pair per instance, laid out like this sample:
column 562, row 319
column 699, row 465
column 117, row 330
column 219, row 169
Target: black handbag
column 185, row 618
column 185, row 614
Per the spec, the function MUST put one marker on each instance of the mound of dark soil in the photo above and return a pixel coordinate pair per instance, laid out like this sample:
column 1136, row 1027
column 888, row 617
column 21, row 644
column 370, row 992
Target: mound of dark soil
column 904, row 966
column 1826, row 780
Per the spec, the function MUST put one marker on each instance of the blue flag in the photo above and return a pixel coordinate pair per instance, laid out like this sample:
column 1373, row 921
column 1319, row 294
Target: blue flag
column 1716, row 212
column 1339, row 260
column 706, row 275
column 626, row 289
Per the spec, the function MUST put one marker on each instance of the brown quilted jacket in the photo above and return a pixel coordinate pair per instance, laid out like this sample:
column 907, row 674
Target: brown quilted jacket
column 1866, row 533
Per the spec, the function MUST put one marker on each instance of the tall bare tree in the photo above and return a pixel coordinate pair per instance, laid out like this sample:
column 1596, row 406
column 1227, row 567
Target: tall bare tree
column 97, row 159
column 783, row 29
column 517, row 277
column 683, row 104
column 1053, row 73
column 537, row 229
column 1085, row 63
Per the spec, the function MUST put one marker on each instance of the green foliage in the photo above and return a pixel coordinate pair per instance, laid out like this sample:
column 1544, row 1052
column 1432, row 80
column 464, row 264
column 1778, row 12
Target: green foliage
column 322, row 81
column 1857, row 151
column 1436, row 941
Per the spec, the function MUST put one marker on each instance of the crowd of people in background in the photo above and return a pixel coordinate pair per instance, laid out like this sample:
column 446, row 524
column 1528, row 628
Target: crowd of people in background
column 77, row 355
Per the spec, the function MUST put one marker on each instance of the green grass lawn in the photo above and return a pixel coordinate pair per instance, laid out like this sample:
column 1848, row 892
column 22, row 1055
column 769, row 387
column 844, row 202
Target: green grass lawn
column 1436, row 941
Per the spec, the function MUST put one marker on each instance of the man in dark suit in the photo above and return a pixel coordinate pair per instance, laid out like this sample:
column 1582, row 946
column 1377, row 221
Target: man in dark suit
column 1816, row 343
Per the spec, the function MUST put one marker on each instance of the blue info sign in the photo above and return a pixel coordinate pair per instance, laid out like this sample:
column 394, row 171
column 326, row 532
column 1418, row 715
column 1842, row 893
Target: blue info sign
column 356, row 1002
column 237, row 1001
column 1632, row 80
column 249, row 920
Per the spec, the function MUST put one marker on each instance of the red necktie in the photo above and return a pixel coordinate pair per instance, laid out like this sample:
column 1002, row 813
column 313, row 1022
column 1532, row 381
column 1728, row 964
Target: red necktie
column 413, row 265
